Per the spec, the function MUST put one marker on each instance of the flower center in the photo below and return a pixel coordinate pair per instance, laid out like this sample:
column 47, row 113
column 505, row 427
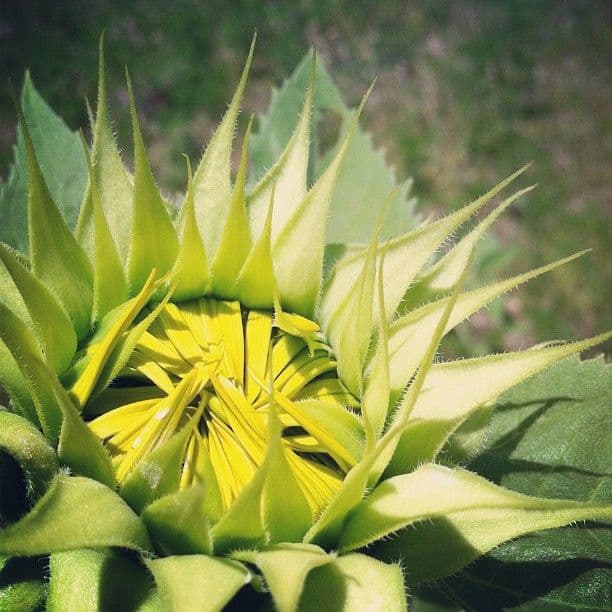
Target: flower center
column 211, row 366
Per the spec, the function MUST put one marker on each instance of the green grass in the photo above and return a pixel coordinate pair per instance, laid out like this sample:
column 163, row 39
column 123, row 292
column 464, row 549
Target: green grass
column 467, row 92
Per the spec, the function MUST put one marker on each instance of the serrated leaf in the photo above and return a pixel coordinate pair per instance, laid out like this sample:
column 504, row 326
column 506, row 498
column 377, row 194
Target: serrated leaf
column 405, row 256
column 287, row 179
column 75, row 512
column 364, row 177
column 56, row 257
column 277, row 124
column 299, row 277
column 62, row 162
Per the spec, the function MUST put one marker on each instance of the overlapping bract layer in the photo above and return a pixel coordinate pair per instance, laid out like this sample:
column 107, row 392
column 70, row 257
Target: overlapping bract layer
column 103, row 306
column 201, row 368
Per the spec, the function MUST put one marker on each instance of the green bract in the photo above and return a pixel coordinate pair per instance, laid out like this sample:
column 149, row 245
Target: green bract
column 222, row 404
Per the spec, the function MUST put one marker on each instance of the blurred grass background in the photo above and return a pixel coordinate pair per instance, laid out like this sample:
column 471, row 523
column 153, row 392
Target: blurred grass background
column 467, row 92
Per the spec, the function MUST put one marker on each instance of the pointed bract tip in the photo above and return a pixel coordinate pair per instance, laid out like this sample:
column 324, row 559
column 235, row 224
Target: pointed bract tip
column 101, row 71
column 130, row 89
column 384, row 209
column 244, row 157
column 249, row 60
column 31, row 153
column 189, row 169
column 86, row 151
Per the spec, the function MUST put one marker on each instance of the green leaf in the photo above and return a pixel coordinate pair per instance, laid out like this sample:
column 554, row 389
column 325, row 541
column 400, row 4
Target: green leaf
column 533, row 587
column 92, row 580
column 549, row 437
column 404, row 258
column 333, row 422
column 277, row 125
column 442, row 276
column 349, row 331
column 354, row 582
column 121, row 352
column 61, row 157
column 15, row 385
column 22, row 441
column 375, row 399
column 557, row 424
column 242, row 525
column 473, row 515
column 285, row 568
column 299, row 277
column 453, row 391
column 56, row 257
column 287, row 179
column 11, row 377
column 197, row 582
column 178, row 523
column 364, row 177
column 589, row 591
column 75, row 512
column 114, row 333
